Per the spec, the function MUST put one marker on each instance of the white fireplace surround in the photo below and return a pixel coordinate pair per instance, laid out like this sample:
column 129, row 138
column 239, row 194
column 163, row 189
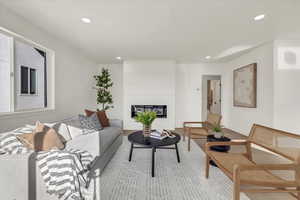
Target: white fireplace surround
column 149, row 83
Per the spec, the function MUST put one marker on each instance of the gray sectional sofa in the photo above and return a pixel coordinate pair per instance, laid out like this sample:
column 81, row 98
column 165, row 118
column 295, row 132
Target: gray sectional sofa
column 20, row 177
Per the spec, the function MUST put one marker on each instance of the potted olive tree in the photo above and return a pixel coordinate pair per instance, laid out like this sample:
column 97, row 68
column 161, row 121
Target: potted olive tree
column 146, row 118
column 103, row 87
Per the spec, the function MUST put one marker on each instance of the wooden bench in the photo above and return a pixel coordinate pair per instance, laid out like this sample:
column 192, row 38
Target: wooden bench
column 243, row 171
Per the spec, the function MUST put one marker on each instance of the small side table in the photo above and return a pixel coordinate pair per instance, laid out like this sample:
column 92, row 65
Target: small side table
column 224, row 149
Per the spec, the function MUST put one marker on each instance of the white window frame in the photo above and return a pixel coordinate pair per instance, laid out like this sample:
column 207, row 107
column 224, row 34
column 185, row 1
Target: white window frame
column 50, row 76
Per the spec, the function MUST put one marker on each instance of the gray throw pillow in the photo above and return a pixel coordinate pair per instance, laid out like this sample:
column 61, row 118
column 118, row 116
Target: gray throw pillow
column 89, row 124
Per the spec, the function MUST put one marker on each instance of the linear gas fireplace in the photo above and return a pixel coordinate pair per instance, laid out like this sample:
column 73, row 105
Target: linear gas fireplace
column 161, row 110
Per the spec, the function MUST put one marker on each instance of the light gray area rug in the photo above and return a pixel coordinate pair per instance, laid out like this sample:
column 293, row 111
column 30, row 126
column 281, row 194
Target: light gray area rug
column 123, row 180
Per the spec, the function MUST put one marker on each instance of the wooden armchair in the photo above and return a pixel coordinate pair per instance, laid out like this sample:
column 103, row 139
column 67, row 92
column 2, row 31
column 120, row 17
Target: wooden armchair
column 243, row 171
column 196, row 130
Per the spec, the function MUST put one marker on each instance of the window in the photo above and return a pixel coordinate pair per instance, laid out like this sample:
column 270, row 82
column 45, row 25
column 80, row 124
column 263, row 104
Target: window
column 24, row 74
column 28, row 80
column 32, row 81
column 24, row 80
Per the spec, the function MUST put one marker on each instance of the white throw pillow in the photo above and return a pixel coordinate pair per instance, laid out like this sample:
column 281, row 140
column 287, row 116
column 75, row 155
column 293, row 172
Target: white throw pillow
column 74, row 128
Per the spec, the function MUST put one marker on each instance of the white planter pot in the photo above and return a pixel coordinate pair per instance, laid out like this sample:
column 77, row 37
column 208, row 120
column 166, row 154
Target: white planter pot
column 218, row 134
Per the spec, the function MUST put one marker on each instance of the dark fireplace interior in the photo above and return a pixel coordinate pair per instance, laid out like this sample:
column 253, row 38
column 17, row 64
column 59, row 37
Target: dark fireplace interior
column 161, row 110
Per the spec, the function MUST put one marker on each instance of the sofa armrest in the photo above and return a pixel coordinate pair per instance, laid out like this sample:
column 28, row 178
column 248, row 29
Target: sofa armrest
column 14, row 157
column 116, row 123
column 15, row 173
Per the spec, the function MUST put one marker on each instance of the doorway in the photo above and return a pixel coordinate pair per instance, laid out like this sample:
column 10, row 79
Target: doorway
column 211, row 95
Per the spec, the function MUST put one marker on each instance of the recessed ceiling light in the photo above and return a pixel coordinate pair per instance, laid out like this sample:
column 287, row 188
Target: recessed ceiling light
column 86, row 20
column 259, row 17
column 118, row 58
column 207, row 57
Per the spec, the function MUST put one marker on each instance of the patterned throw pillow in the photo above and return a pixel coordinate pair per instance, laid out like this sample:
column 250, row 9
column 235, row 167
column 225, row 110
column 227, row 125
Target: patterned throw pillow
column 89, row 124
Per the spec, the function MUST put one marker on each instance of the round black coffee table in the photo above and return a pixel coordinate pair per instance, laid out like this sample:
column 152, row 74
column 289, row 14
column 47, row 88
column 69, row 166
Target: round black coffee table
column 137, row 138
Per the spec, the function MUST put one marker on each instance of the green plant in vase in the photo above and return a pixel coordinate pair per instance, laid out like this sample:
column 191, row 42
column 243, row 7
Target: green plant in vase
column 217, row 130
column 146, row 118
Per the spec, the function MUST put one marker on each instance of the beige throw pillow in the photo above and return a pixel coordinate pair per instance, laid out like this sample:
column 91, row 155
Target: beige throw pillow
column 43, row 138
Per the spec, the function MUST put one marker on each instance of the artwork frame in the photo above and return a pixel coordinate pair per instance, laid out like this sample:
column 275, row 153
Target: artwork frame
column 245, row 86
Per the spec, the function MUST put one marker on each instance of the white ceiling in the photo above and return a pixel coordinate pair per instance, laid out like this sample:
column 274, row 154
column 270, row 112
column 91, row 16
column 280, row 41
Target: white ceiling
column 184, row 30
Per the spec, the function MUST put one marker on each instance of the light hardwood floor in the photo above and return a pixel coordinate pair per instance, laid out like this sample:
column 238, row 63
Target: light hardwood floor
column 259, row 156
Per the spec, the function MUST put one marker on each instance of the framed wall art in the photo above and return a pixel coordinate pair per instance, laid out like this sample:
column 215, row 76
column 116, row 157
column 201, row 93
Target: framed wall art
column 245, row 86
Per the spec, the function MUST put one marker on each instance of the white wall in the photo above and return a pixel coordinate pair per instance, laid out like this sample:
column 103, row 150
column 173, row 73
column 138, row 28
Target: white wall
column 26, row 55
column 116, row 71
column 149, row 83
column 73, row 75
column 188, row 87
column 277, row 82
column 139, row 87
column 5, row 65
column 189, row 90
column 287, row 82
column 241, row 119
column 277, row 88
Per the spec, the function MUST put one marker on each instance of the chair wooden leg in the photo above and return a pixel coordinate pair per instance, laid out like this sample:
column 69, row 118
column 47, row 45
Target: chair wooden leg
column 236, row 192
column 236, row 183
column 297, row 177
column 298, row 193
column 207, row 166
column 189, row 142
column 184, row 132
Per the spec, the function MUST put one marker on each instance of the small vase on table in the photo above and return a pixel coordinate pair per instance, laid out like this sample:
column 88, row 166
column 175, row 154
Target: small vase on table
column 146, row 131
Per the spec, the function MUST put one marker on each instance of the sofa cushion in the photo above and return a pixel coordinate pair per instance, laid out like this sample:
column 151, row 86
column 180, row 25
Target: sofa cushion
column 89, row 142
column 95, row 143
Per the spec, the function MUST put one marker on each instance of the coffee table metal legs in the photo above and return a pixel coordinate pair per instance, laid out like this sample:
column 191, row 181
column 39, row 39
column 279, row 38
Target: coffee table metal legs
column 153, row 155
column 153, row 160
column 130, row 154
column 177, row 153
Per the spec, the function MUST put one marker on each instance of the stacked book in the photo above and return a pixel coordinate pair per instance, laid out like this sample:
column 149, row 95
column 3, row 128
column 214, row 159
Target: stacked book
column 158, row 135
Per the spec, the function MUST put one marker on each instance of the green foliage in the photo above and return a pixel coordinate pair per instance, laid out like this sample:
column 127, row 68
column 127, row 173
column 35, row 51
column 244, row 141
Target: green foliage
column 217, row 128
column 103, row 85
column 146, row 118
